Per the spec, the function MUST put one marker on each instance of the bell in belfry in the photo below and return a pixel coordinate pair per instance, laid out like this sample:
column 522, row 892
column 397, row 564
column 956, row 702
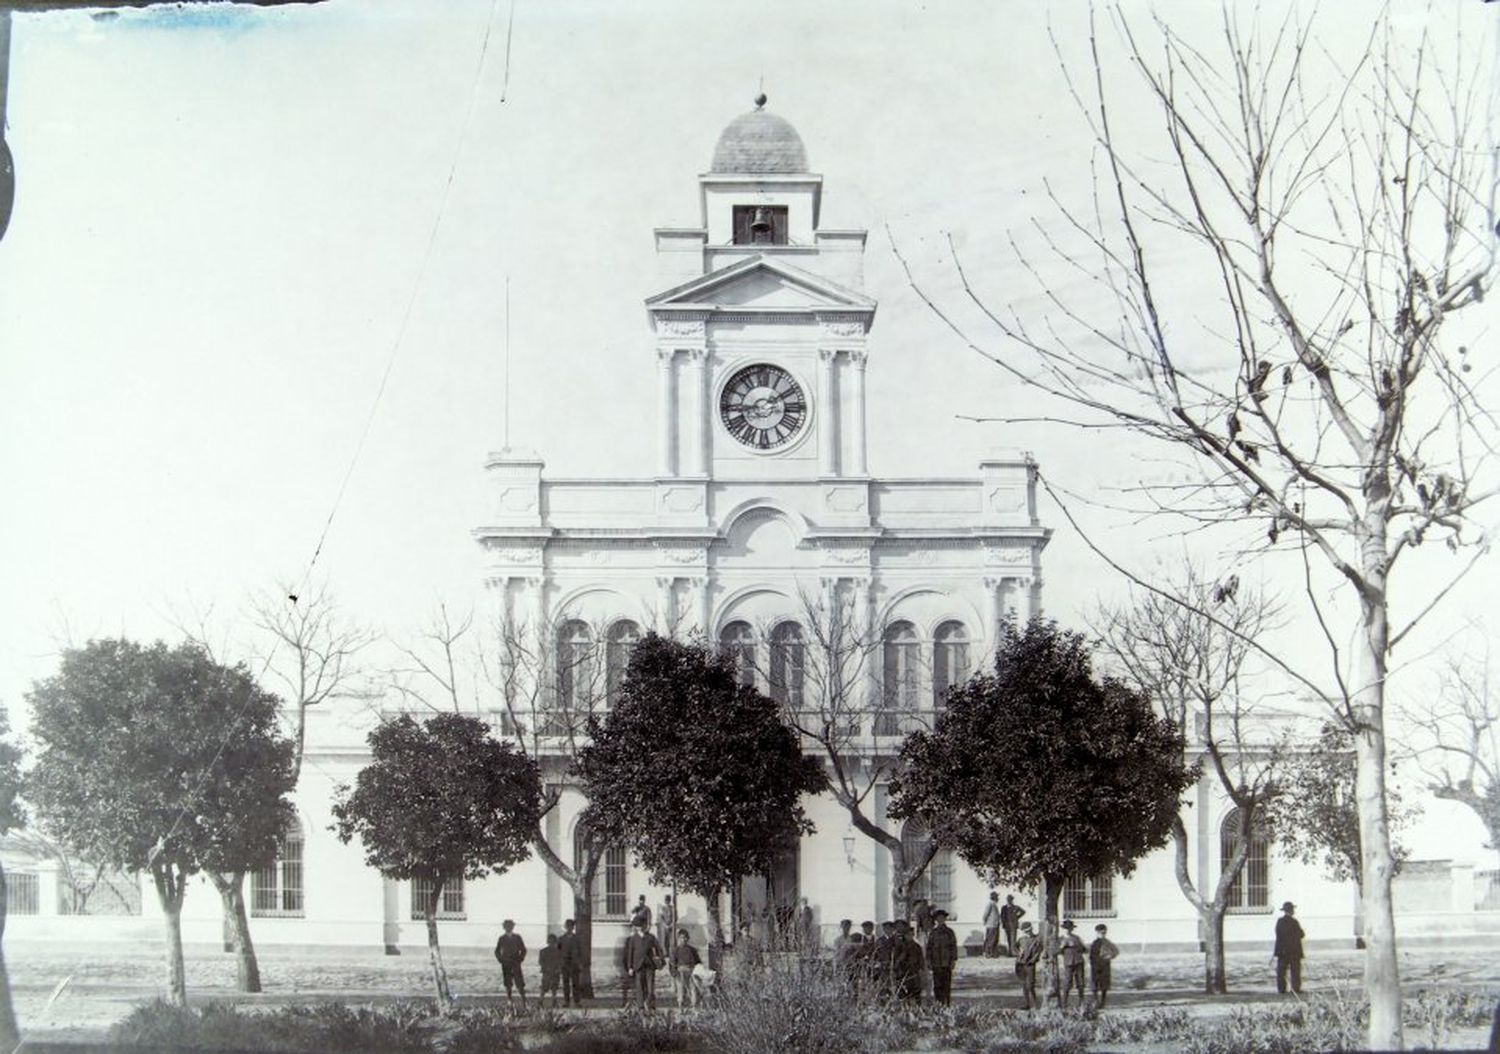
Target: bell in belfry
column 760, row 226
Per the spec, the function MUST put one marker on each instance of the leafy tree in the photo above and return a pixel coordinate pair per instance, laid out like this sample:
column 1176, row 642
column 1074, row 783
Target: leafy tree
column 160, row 760
column 1040, row 771
column 1316, row 819
column 1267, row 281
column 696, row 771
column 1184, row 646
column 12, row 816
column 440, row 800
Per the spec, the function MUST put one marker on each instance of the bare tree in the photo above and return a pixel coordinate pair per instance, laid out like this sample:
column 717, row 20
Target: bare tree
column 310, row 650
column 830, row 684
column 1191, row 667
column 538, row 691
column 1459, row 754
column 1343, row 218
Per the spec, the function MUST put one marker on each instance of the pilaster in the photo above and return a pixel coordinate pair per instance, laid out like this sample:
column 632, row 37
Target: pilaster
column 857, row 466
column 666, row 402
column 828, row 435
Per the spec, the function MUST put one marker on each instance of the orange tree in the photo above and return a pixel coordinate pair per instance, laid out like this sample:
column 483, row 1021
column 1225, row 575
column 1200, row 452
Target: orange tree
column 159, row 759
column 696, row 771
column 1039, row 771
column 440, row 800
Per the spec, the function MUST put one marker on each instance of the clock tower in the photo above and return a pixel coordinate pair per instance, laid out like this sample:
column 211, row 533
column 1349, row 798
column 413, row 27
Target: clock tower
column 760, row 336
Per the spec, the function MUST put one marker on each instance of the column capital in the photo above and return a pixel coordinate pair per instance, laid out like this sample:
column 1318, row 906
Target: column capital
column 827, row 355
column 695, row 355
column 664, row 356
column 666, row 581
column 994, row 582
column 858, row 359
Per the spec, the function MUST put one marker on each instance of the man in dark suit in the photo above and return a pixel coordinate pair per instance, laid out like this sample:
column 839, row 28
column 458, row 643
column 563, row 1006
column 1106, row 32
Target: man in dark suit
column 1288, row 952
column 643, row 957
column 906, row 965
column 510, row 950
column 942, row 954
column 572, row 962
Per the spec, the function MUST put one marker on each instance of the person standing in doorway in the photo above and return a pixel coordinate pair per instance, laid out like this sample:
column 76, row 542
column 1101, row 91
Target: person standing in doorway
column 1027, row 957
column 992, row 926
column 640, row 915
column 510, row 952
column 1074, row 955
column 1288, row 951
column 1101, row 953
column 571, row 953
column 942, row 955
column 1010, row 920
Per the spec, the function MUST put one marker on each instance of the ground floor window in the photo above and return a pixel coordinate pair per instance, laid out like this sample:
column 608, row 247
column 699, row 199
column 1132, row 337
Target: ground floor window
column 935, row 883
column 94, row 891
column 277, row 890
column 23, row 893
column 451, row 906
column 1251, row 890
column 1089, row 897
column 610, row 896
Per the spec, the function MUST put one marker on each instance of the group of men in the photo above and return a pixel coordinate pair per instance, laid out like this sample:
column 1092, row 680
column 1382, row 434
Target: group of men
column 890, row 965
column 560, row 961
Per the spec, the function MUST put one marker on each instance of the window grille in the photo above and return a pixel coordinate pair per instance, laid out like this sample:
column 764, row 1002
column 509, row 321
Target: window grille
column 1089, row 897
column 451, row 905
column 609, row 896
column 935, row 883
column 98, row 892
column 277, row 890
column 1250, row 893
column 23, row 893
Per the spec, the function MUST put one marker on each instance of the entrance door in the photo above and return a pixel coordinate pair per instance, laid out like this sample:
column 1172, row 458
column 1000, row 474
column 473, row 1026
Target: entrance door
column 769, row 901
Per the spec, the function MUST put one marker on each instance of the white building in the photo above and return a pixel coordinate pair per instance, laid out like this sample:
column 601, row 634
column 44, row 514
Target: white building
column 759, row 513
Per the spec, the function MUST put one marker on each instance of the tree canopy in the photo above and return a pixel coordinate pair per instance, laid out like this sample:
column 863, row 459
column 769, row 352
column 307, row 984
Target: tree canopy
column 159, row 759
column 1039, row 771
column 694, row 770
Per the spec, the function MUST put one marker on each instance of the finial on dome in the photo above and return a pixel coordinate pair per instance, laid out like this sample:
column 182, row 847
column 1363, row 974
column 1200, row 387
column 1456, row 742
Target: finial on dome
column 760, row 101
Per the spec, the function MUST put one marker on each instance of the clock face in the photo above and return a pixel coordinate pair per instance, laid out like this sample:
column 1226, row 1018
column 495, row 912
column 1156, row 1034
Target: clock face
column 763, row 407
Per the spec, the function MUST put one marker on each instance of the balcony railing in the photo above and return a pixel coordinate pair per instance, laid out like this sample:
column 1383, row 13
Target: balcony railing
column 554, row 730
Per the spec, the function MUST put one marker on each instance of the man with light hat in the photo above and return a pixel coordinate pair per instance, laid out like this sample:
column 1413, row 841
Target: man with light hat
column 1074, row 956
column 1288, row 951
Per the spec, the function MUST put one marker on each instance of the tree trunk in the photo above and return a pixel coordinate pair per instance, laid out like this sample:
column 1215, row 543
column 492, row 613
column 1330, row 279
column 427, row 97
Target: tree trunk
column 1382, row 977
column 1215, row 981
column 583, row 919
column 231, row 887
column 10, row 1033
column 715, row 924
column 1052, row 886
column 170, row 888
column 435, row 952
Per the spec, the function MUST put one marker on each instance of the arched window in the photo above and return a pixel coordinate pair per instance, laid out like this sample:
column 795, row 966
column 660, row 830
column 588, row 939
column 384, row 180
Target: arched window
column 1089, row 896
column 575, row 661
column 901, row 678
column 277, row 890
column 623, row 637
column 610, row 897
column 935, row 883
column 950, row 660
column 787, row 654
column 1251, row 889
column 737, row 640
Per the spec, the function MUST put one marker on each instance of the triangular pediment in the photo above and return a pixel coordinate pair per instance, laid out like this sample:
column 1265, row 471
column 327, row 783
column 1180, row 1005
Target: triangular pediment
column 762, row 283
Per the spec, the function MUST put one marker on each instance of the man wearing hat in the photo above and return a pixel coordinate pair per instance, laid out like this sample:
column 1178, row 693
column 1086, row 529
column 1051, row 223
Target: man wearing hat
column 1074, row 956
column 1026, row 960
column 906, row 965
column 942, row 954
column 1288, row 953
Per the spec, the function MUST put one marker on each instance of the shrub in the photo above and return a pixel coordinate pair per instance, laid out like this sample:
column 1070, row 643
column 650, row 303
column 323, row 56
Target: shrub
column 780, row 1005
column 320, row 1027
column 486, row 1030
column 627, row 1033
column 1157, row 1025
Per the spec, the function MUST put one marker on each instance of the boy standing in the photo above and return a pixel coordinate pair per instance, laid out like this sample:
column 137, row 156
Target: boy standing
column 571, row 962
column 1074, row 954
column 1027, row 957
column 1101, row 953
column 550, row 960
column 685, row 961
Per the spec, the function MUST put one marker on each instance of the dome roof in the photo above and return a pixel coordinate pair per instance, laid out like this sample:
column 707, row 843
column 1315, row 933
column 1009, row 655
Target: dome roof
column 759, row 143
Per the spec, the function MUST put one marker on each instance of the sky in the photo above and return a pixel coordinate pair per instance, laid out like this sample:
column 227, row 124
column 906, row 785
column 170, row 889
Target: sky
column 253, row 298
